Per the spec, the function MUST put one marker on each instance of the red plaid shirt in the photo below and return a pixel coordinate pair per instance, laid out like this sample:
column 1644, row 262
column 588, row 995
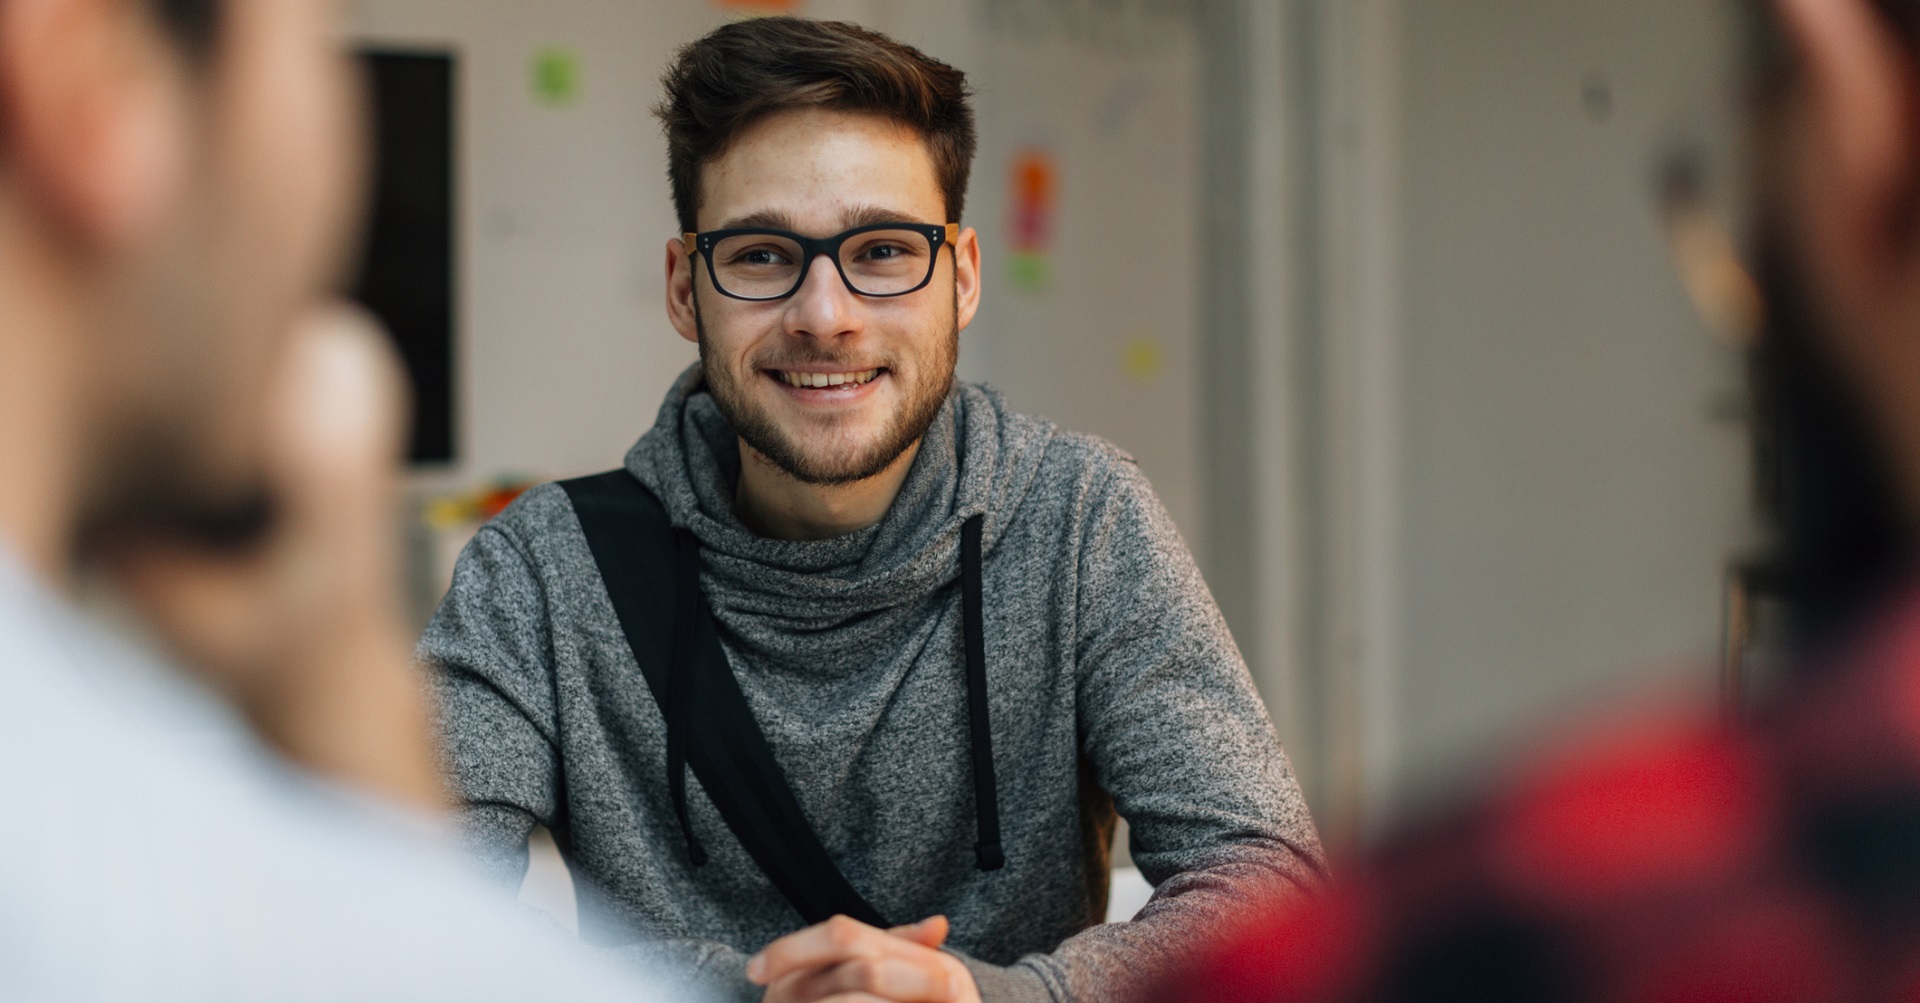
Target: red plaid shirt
column 1664, row 860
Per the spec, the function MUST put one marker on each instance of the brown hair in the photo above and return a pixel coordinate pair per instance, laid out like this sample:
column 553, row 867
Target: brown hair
column 194, row 23
column 744, row 71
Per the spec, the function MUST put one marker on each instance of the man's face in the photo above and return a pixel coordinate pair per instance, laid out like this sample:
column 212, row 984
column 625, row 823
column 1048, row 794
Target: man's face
column 201, row 310
column 818, row 173
column 1836, row 194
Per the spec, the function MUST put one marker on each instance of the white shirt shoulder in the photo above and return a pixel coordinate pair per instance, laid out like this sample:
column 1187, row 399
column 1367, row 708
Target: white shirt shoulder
column 154, row 851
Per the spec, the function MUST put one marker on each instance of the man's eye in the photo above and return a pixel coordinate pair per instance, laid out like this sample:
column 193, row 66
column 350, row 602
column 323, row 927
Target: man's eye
column 884, row 252
column 760, row 256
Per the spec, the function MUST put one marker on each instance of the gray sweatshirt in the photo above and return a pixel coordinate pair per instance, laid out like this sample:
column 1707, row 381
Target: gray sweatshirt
column 1113, row 685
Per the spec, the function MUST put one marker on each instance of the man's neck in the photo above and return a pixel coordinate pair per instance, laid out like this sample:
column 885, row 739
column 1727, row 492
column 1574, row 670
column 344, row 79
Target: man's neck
column 772, row 503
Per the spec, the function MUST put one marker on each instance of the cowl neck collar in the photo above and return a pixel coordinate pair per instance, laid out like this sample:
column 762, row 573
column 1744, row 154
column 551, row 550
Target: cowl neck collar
column 977, row 458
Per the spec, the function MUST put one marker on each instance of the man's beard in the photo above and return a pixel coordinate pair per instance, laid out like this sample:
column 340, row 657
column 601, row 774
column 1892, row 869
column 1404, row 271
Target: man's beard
column 153, row 487
column 906, row 426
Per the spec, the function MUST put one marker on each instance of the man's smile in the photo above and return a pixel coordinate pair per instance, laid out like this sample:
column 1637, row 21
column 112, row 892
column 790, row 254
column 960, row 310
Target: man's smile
column 799, row 379
column 840, row 387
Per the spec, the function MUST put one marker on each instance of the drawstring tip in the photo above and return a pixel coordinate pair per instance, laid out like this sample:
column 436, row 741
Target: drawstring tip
column 696, row 853
column 989, row 856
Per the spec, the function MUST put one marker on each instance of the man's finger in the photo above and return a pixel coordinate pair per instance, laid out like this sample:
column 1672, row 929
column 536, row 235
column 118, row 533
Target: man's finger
column 838, row 939
column 340, row 402
column 925, row 978
column 929, row 932
column 823, row 945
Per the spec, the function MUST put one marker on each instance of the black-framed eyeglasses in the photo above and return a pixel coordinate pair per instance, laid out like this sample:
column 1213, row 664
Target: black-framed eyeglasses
column 884, row 259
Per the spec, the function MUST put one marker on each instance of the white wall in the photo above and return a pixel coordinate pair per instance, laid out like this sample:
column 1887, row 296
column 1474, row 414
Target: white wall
column 562, row 349
column 1563, row 500
column 1116, row 104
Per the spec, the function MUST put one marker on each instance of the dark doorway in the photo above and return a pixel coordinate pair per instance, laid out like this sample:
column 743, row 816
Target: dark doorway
column 406, row 271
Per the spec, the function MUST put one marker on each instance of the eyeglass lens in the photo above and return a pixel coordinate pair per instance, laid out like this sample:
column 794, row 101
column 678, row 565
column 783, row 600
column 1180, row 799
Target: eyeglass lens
column 875, row 263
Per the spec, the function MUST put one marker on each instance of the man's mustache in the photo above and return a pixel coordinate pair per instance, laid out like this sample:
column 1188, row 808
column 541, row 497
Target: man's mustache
column 834, row 361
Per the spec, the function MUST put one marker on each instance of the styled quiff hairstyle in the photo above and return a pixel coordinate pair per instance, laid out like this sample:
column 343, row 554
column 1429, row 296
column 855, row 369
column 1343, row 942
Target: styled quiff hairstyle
column 745, row 71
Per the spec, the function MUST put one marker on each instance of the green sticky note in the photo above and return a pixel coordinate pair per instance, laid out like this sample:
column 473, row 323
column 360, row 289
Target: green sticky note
column 1031, row 271
column 556, row 77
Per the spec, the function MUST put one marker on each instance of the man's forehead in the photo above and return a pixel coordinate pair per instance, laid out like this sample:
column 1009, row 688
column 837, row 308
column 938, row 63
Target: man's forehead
column 841, row 217
column 811, row 169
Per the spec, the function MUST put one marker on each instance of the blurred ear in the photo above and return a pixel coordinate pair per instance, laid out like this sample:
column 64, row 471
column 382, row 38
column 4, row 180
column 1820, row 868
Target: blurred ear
column 94, row 112
column 1858, row 96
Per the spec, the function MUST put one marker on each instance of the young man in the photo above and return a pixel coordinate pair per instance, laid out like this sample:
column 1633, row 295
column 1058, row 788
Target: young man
column 176, row 183
column 1667, row 858
column 963, row 635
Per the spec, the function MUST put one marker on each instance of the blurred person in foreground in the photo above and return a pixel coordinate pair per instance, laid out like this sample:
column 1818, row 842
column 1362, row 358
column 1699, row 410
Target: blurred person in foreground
column 1663, row 857
column 874, row 556
column 177, row 183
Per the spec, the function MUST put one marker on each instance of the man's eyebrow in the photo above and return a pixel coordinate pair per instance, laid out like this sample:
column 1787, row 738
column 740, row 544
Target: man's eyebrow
column 764, row 219
column 858, row 216
column 873, row 215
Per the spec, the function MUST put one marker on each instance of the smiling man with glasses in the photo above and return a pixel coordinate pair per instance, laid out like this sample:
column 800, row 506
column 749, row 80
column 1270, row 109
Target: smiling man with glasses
column 834, row 688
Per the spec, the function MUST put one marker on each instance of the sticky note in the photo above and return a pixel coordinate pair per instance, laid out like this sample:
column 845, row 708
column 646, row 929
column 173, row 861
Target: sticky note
column 1142, row 359
column 556, row 77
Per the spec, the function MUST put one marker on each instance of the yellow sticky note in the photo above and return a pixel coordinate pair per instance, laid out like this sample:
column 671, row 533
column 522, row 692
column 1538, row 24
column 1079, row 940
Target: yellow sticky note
column 1142, row 358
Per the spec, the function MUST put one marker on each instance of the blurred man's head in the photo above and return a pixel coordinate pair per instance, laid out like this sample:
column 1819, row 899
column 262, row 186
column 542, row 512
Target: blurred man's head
column 818, row 128
column 1839, row 368
column 176, row 187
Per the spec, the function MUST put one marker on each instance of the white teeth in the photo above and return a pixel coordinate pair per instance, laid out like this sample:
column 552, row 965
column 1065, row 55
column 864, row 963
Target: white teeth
column 819, row 380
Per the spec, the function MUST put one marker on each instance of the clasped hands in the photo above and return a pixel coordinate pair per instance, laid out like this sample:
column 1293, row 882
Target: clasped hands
column 846, row 961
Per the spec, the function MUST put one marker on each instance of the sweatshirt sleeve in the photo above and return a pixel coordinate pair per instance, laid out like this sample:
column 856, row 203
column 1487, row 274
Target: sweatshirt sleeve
column 1175, row 731
column 690, row 968
column 488, row 650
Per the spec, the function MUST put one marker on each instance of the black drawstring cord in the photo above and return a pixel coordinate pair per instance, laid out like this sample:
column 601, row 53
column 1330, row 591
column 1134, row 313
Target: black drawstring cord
column 687, row 610
column 986, row 795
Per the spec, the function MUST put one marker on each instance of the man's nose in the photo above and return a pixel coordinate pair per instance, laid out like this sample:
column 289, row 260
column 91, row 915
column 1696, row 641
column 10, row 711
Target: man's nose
column 823, row 306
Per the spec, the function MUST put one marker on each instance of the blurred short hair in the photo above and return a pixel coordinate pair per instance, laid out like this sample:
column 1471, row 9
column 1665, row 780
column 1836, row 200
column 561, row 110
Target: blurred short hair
column 193, row 23
column 1905, row 15
column 745, row 71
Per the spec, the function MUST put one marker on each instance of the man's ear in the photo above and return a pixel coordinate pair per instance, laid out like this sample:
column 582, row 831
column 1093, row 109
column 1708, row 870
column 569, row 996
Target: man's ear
column 966, row 276
column 93, row 104
column 682, row 309
column 1860, row 103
